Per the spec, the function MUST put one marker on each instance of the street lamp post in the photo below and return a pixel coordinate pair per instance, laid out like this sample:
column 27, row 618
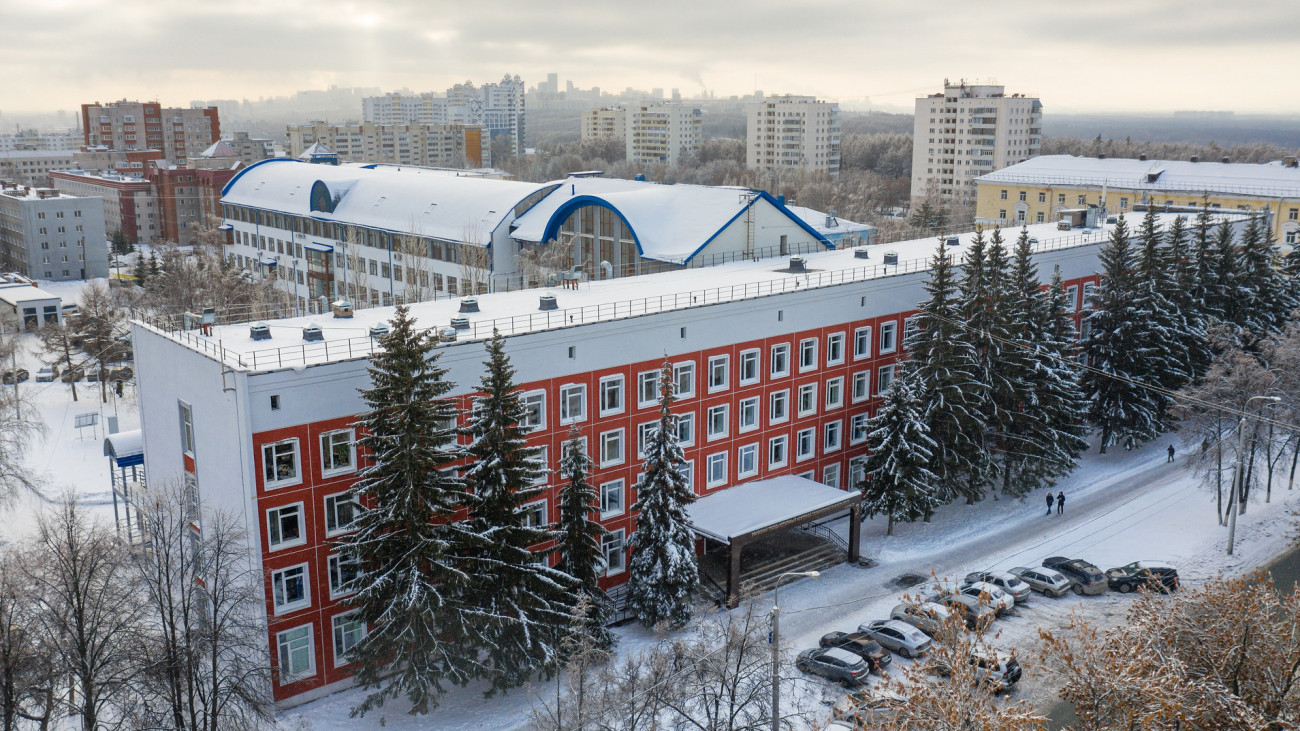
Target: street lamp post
column 1240, row 474
column 776, row 643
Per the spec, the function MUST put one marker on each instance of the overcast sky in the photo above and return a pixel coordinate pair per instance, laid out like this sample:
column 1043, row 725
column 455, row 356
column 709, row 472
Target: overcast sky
column 1104, row 55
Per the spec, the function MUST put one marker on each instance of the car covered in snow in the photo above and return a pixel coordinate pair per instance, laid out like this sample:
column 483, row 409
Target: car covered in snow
column 1087, row 578
column 863, row 708
column 998, row 669
column 861, row 645
column 1150, row 575
column 975, row 612
column 900, row 637
column 1048, row 582
column 835, row 664
column 15, row 376
column 990, row 594
column 47, row 374
column 925, row 616
column 1003, row 580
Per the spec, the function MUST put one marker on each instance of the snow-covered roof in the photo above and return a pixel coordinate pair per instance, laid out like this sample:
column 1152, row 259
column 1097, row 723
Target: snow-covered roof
column 753, row 506
column 20, row 294
column 124, row 445
column 220, row 149
column 669, row 222
column 434, row 203
column 316, row 149
column 827, row 224
column 1154, row 175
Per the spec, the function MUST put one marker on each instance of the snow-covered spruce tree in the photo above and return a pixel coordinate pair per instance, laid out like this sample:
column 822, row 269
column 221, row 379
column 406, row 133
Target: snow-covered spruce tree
column 1119, row 353
column 1208, row 291
column 899, row 484
column 1167, row 359
column 1271, row 301
column 1231, row 290
column 411, row 590
column 517, row 607
column 578, row 539
column 663, row 573
column 1181, row 287
column 944, row 369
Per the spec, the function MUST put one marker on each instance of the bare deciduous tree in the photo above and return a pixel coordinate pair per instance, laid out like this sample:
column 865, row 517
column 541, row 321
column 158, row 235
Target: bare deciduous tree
column 475, row 260
column 19, row 425
column 27, row 665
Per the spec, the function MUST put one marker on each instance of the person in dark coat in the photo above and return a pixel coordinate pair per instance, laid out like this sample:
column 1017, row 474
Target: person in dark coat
column 1060, row 502
column 1049, row 503
column 1171, row 453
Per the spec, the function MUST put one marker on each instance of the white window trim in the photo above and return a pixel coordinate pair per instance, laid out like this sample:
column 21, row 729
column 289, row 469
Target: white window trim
column 799, row 454
column 622, row 534
column 302, row 527
column 854, row 397
column 687, row 418
column 771, row 406
column 725, row 360
column 643, row 438
column 297, row 462
column 785, row 347
column 571, row 419
column 622, row 448
column 812, row 409
column 325, row 504
column 329, row 578
column 758, row 367
column 528, row 507
column 811, row 365
column 339, row 660
column 286, row 679
column 758, row 415
column 893, row 345
column 709, row 481
column 910, row 325
column 784, row 441
column 541, row 413
column 859, row 440
column 827, row 430
column 622, row 395
column 740, row 460
column 352, row 445
column 622, row 499
column 688, row 367
column 838, row 381
column 830, row 359
column 306, row 590
column 709, row 434
column 866, row 354
column 640, row 384
column 881, row 370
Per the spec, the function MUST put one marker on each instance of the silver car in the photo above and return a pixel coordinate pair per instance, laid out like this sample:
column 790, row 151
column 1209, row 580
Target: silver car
column 1003, row 580
column 925, row 616
column 1049, row 582
column 900, row 637
column 975, row 612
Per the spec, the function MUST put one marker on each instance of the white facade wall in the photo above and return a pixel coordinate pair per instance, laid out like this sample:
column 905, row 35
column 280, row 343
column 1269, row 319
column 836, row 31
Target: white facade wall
column 59, row 238
column 658, row 132
column 793, row 132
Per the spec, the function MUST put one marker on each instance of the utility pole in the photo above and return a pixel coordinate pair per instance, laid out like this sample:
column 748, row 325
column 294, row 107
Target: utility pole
column 776, row 643
column 1241, row 468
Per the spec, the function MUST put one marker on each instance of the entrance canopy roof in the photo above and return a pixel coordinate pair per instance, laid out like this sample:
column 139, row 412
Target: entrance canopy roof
column 746, row 511
column 127, row 447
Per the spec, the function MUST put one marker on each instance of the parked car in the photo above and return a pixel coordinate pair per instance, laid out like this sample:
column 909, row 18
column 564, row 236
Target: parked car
column 74, row 374
column 861, row 645
column 119, row 373
column 16, row 376
column 1003, row 580
column 92, row 375
column 1049, row 582
column 974, row 612
column 1153, row 575
column 47, row 374
column 995, row 597
column 925, row 616
column 862, row 708
column 997, row 668
column 1087, row 578
column 834, row 664
column 900, row 637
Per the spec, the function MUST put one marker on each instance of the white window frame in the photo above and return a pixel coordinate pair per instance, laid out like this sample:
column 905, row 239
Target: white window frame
column 612, row 455
column 644, row 433
column 334, row 564
column 750, row 360
column 806, row 403
column 566, row 393
column 275, row 522
column 268, row 459
column 614, row 542
column 831, row 475
column 613, row 487
column 280, row 653
column 327, row 453
column 835, row 349
column 862, row 343
column 748, row 452
column 534, row 404
column 642, row 379
column 1072, row 298
column 909, row 328
column 778, row 452
column 751, row 406
column 612, row 385
column 348, row 617
column 861, row 386
column 719, row 373
column 780, row 356
column 544, row 471
column 807, row 355
column 277, row 582
column 686, row 429
column 778, row 407
column 709, row 432
column 832, row 436
column 834, row 392
column 857, row 470
column 888, row 334
column 186, row 412
column 881, row 384
column 805, row 444
column 331, row 513
column 684, row 379
column 858, row 429
column 1086, row 302
column 536, row 508
column 715, row 470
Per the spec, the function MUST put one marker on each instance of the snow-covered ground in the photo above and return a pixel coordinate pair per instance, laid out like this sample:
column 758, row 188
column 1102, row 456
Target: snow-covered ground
column 1120, row 507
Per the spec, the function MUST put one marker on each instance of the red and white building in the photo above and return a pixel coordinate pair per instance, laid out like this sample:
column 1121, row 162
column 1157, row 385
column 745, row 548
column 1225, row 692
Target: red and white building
column 776, row 373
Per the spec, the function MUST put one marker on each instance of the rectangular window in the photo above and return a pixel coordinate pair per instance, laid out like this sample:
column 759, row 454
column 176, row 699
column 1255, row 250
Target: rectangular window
column 534, row 403
column 611, row 448
column 776, row 451
column 1123, row 203
column 831, row 475
column 348, row 631
column 885, row 376
column 716, row 418
column 807, row 399
column 861, row 386
column 647, row 389
column 807, row 354
column 534, row 514
column 684, row 380
column 1042, row 197
column 187, row 427
column 858, row 429
column 779, row 409
column 611, row 395
column 857, row 472
column 341, row 511
column 611, row 499
column 747, row 461
column 1072, row 298
column 1083, row 200
column 289, row 588
column 715, row 470
column 295, row 651
column 280, row 463
column 573, row 403
column 284, row 527
column 910, row 326
column 888, row 343
column 834, row 434
column 1293, row 214
column 1060, row 199
column 748, row 367
column 686, row 429
column 612, row 544
column 862, row 343
column 835, row 349
column 1088, row 288
column 1022, row 196
column 338, row 452
column 344, row 569
column 780, row 360
column 748, row 414
column 718, row 367
column 1002, row 195
column 644, row 433
column 805, row 444
column 834, row 392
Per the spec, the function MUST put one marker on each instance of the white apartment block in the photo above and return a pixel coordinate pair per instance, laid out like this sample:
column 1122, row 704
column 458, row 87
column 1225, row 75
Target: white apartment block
column 33, row 167
column 389, row 109
column 659, row 132
column 498, row 107
column 45, row 234
column 967, row 131
column 784, row 132
column 604, row 123
column 30, row 139
column 427, row 145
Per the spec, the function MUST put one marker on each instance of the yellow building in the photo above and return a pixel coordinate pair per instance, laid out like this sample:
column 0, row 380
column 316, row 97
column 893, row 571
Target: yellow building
column 1035, row 191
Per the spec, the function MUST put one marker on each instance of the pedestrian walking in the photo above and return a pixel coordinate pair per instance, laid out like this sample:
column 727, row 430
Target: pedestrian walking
column 1060, row 502
column 1049, row 503
column 1171, row 454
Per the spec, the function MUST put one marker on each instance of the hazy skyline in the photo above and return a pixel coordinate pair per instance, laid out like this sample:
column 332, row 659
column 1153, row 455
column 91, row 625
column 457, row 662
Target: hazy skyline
column 1154, row 56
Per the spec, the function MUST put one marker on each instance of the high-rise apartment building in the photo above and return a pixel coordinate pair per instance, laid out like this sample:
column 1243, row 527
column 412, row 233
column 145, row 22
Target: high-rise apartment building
column 427, row 145
column 604, row 123
column 499, row 108
column 659, row 132
column 784, row 132
column 33, row 167
column 426, row 108
column 967, row 131
column 126, row 125
column 128, row 202
column 46, row 234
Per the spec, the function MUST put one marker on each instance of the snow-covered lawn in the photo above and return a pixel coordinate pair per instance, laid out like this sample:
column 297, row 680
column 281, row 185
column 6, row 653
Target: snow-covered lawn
column 1119, row 507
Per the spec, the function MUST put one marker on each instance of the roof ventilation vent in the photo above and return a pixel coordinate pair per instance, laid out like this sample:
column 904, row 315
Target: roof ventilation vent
column 1142, row 157
column 891, row 257
column 460, row 323
column 1196, row 158
column 447, row 335
column 548, row 303
column 1225, row 158
column 469, row 304
column 312, row 333
column 796, row 264
column 341, row 309
column 861, row 254
column 953, row 241
column 378, row 331
column 259, row 331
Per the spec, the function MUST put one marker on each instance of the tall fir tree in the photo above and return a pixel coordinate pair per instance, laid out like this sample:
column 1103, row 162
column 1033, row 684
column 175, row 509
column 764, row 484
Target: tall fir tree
column 1230, row 291
column 899, row 483
column 1003, row 362
column 579, row 541
column 663, row 574
column 1181, row 290
column 1208, row 290
column 1166, row 359
column 517, row 607
column 1121, row 402
column 411, row 590
column 1268, row 301
column 945, row 368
